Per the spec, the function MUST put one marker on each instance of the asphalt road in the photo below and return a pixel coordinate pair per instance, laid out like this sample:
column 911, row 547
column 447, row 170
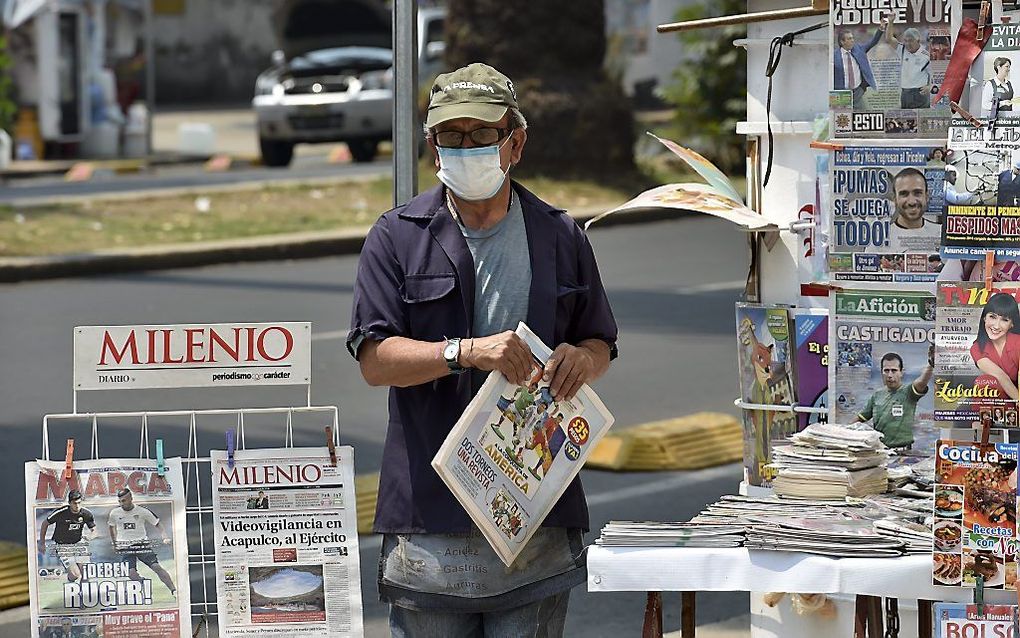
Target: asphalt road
column 672, row 285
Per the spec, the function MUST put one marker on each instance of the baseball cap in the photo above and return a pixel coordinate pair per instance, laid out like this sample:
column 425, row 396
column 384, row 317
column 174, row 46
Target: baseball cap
column 73, row 495
column 123, row 492
column 477, row 91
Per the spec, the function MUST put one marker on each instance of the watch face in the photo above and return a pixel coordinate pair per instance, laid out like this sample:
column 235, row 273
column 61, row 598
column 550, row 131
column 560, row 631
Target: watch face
column 450, row 351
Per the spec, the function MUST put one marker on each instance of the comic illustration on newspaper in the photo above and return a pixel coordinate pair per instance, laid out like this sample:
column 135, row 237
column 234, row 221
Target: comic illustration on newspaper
column 515, row 449
column 977, row 354
column 888, row 61
column 111, row 552
column 886, row 214
column 975, row 515
column 287, row 560
column 883, row 345
column 983, row 189
column 765, row 360
column 811, row 336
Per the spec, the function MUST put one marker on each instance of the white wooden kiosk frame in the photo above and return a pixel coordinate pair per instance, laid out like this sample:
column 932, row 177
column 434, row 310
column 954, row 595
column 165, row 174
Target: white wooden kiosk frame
column 799, row 94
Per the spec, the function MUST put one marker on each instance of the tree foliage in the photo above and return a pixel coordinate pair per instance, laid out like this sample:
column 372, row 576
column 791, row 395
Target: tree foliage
column 8, row 107
column 709, row 88
column 579, row 121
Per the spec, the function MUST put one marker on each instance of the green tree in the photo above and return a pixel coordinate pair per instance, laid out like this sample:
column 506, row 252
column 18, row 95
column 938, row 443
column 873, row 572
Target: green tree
column 579, row 120
column 8, row 107
column 709, row 89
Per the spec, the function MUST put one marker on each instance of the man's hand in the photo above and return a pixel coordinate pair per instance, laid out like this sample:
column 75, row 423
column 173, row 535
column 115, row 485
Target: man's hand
column 505, row 352
column 568, row 368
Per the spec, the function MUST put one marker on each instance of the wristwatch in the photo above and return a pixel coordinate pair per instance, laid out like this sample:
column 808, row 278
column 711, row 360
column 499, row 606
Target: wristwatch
column 451, row 352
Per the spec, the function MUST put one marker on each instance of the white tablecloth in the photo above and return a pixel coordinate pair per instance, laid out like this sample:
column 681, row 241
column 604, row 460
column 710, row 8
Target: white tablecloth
column 739, row 569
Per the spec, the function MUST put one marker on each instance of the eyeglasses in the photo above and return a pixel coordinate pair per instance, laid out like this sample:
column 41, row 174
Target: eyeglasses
column 480, row 136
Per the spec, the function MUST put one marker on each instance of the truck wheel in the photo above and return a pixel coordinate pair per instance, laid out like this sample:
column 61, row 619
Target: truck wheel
column 363, row 150
column 276, row 153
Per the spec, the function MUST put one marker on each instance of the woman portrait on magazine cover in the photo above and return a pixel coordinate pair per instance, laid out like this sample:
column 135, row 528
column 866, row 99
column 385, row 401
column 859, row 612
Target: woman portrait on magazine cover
column 996, row 351
column 997, row 88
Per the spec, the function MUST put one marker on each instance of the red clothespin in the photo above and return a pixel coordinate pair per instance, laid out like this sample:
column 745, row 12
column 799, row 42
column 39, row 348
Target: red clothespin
column 989, row 267
column 827, row 146
column 986, row 10
column 69, row 460
column 965, row 114
column 331, row 445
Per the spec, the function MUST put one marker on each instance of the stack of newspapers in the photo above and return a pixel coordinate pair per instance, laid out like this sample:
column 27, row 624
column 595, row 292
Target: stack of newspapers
column 829, row 461
column 917, row 536
column 655, row 534
column 837, row 537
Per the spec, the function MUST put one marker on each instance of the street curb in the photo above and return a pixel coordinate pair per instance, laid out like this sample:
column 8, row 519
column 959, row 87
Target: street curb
column 269, row 248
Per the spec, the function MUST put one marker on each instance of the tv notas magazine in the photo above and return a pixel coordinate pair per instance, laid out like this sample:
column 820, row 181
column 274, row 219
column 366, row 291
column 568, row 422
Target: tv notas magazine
column 515, row 450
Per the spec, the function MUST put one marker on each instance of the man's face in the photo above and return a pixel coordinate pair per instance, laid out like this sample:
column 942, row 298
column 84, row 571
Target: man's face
column 126, row 501
column 75, row 505
column 846, row 40
column 509, row 149
column 912, row 43
column 911, row 197
column 951, row 177
column 892, row 374
column 938, row 50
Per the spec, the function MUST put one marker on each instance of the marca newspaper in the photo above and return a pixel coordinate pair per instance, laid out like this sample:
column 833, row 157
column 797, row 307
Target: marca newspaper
column 115, row 563
column 515, row 450
column 287, row 543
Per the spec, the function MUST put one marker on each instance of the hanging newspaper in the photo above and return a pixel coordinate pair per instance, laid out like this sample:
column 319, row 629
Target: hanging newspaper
column 516, row 449
column 765, row 360
column 977, row 346
column 287, row 560
column 956, row 620
column 990, row 93
column 888, row 60
column 975, row 515
column 883, row 344
column 886, row 209
column 811, row 329
column 983, row 189
column 111, row 553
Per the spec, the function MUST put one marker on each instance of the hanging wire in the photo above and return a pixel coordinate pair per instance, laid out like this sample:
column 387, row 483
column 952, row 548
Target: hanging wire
column 775, row 55
column 94, row 448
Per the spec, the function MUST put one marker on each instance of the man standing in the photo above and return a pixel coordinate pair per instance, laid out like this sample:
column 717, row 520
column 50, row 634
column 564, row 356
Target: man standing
column 953, row 195
column 1009, row 186
column 891, row 410
column 851, row 68
column 130, row 537
column 69, row 534
column 442, row 282
column 915, row 68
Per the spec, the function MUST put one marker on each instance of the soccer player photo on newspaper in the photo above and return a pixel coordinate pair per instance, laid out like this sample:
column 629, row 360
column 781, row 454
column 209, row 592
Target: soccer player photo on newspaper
column 515, row 450
column 110, row 553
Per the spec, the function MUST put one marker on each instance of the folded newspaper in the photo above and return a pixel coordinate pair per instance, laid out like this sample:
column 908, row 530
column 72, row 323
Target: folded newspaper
column 827, row 460
column 515, row 450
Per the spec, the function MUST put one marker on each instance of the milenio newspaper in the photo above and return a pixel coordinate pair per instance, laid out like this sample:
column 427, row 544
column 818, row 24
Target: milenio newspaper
column 515, row 450
column 108, row 553
column 287, row 561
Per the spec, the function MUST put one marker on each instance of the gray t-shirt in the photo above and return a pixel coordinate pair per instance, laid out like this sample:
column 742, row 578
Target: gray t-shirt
column 502, row 276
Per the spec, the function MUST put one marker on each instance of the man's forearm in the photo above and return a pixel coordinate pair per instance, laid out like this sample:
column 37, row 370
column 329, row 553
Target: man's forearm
column 402, row 362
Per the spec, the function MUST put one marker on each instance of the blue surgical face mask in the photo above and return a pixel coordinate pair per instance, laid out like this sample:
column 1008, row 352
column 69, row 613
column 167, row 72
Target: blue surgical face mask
column 472, row 173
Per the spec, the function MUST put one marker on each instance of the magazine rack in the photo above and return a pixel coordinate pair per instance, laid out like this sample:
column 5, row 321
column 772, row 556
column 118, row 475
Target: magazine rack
column 263, row 425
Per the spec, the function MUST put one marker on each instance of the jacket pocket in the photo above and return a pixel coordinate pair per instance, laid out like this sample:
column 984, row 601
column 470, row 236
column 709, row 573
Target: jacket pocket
column 433, row 306
column 428, row 287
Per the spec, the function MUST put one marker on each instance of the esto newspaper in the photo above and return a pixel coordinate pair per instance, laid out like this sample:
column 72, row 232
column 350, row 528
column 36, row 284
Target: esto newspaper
column 888, row 60
column 886, row 214
column 977, row 354
column 515, row 450
column 287, row 561
column 882, row 342
column 111, row 555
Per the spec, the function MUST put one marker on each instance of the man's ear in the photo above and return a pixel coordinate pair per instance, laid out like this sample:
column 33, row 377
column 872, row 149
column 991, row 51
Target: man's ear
column 517, row 139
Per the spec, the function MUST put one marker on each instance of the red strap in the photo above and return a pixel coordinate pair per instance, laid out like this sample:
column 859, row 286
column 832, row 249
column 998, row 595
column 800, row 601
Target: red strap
column 967, row 48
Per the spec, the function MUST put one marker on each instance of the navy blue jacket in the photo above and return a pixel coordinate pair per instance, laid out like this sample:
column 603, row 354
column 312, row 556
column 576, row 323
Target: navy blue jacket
column 416, row 280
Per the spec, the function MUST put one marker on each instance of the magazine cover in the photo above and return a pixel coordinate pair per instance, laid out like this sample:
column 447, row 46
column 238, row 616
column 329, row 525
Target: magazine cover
column 956, row 620
column 287, row 559
column 888, row 60
column 765, row 362
column 990, row 92
column 886, row 211
column 811, row 328
column 515, row 450
column 977, row 354
column 111, row 551
column 975, row 515
column 983, row 189
column 883, row 342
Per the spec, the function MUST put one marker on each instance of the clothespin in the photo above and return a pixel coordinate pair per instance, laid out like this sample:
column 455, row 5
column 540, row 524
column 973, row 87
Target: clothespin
column 989, row 266
column 986, row 427
column 986, row 10
column 1016, row 618
column 827, row 146
column 965, row 114
column 160, row 463
column 979, row 594
column 69, row 460
column 230, row 449
column 331, row 445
